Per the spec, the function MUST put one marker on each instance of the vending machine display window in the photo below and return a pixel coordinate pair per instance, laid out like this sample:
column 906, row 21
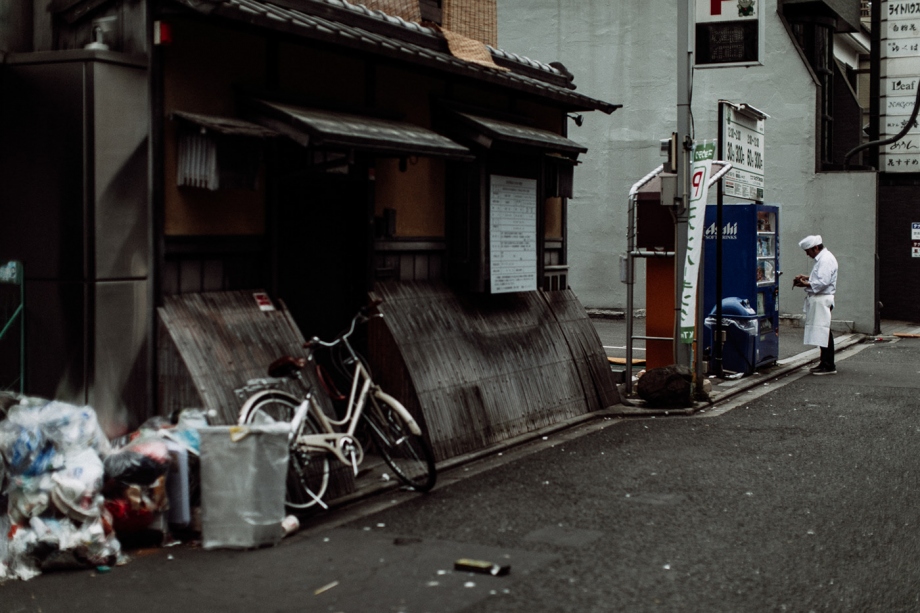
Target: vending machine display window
column 766, row 272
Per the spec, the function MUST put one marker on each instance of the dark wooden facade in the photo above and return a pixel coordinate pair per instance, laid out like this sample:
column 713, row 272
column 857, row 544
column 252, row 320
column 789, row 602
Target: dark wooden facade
column 309, row 148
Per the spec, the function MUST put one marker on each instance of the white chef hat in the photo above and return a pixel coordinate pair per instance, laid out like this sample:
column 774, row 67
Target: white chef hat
column 810, row 241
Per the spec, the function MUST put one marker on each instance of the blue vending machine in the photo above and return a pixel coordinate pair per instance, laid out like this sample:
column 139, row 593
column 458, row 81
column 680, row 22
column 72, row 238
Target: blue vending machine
column 750, row 285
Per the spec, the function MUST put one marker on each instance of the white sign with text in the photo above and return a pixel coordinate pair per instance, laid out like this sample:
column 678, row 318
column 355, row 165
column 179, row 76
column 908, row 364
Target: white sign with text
column 901, row 74
column 743, row 147
column 512, row 234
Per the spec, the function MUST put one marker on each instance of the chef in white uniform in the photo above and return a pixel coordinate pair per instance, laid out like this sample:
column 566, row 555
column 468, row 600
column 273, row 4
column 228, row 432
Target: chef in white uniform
column 820, row 287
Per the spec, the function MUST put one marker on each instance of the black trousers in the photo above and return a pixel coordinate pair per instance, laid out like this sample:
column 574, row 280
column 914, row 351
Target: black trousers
column 827, row 353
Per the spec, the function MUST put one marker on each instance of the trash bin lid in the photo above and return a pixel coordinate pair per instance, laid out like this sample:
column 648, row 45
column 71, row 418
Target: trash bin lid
column 736, row 307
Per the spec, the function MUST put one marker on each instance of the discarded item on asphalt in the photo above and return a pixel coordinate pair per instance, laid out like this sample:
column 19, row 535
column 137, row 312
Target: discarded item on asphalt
column 290, row 525
column 325, row 588
column 482, row 566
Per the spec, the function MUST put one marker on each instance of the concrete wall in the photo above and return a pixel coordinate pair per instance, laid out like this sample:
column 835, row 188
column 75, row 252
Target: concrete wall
column 626, row 53
column 848, row 233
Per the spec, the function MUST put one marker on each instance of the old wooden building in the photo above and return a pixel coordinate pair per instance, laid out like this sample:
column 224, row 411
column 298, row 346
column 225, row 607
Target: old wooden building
column 314, row 150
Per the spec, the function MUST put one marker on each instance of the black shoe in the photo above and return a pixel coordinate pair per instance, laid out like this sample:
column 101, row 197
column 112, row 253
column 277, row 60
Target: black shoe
column 816, row 368
column 824, row 370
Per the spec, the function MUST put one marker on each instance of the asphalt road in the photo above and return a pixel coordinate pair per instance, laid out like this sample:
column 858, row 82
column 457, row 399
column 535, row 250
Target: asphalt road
column 803, row 496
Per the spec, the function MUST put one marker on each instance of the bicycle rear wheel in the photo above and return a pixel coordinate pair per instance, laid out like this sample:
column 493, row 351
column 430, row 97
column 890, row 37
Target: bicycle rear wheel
column 409, row 456
column 308, row 471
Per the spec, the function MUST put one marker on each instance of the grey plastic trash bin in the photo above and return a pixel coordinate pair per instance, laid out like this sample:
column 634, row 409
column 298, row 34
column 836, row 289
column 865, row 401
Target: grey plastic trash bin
column 243, row 471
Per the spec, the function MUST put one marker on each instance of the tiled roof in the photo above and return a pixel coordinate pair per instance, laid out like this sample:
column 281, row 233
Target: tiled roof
column 353, row 26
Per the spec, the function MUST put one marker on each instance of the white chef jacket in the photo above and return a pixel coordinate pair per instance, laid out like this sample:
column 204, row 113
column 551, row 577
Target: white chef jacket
column 819, row 299
column 823, row 278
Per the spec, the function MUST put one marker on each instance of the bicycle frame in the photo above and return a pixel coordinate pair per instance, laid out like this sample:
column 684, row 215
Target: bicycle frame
column 333, row 441
column 341, row 444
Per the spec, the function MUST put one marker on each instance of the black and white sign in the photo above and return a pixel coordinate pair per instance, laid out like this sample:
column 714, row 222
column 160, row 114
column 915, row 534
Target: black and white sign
column 900, row 79
column 512, row 234
column 743, row 147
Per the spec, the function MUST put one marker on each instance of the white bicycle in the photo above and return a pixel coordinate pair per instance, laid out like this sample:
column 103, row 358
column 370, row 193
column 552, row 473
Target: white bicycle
column 315, row 436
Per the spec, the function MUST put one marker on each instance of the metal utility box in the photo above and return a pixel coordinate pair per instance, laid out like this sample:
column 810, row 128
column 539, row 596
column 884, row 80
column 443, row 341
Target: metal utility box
column 654, row 222
column 73, row 173
column 750, row 284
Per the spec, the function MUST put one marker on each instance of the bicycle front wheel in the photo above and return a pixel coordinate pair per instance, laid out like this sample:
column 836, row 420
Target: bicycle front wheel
column 308, row 471
column 409, row 456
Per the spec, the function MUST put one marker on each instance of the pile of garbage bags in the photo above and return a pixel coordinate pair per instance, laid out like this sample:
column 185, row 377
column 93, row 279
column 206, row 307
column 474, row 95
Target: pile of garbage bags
column 67, row 493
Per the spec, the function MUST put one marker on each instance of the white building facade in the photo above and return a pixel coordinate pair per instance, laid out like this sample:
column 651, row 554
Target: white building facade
column 628, row 52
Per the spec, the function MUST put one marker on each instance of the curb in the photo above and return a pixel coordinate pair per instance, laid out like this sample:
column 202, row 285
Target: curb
column 782, row 367
column 622, row 411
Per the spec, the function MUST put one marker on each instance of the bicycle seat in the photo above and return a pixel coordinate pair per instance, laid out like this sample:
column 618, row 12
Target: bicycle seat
column 286, row 366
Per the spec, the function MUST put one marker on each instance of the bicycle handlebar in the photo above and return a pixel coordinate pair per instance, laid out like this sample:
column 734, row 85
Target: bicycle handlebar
column 362, row 316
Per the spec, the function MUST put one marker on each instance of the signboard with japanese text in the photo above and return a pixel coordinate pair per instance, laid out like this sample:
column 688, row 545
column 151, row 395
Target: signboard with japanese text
column 727, row 31
column 512, row 234
column 743, row 147
column 900, row 69
column 700, row 173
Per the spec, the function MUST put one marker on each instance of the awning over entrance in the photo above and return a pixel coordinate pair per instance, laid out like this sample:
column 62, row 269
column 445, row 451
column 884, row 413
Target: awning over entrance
column 335, row 130
column 485, row 131
column 225, row 126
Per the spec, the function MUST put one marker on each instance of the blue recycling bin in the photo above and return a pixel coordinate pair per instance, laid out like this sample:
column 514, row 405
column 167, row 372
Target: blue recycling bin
column 740, row 325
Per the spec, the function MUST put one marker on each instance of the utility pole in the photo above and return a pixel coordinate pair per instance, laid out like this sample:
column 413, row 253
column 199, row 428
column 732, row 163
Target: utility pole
column 682, row 351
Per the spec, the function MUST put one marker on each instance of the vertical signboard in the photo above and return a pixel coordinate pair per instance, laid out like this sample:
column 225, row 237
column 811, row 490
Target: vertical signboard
column 900, row 32
column 512, row 234
column 743, row 147
column 700, row 172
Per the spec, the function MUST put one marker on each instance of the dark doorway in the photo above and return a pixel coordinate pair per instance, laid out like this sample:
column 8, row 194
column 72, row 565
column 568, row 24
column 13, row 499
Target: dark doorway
column 324, row 223
column 899, row 209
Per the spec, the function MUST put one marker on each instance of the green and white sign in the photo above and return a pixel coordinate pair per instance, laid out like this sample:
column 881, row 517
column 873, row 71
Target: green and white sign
column 700, row 173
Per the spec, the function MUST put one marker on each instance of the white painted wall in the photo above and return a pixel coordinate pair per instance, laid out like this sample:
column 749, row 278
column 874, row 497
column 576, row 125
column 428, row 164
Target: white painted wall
column 625, row 52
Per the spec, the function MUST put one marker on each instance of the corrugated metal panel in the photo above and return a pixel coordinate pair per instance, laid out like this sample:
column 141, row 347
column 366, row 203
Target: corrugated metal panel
column 212, row 343
column 485, row 368
column 224, row 339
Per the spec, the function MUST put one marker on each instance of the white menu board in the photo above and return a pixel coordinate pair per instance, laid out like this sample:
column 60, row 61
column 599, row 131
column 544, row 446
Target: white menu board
column 512, row 234
column 900, row 78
